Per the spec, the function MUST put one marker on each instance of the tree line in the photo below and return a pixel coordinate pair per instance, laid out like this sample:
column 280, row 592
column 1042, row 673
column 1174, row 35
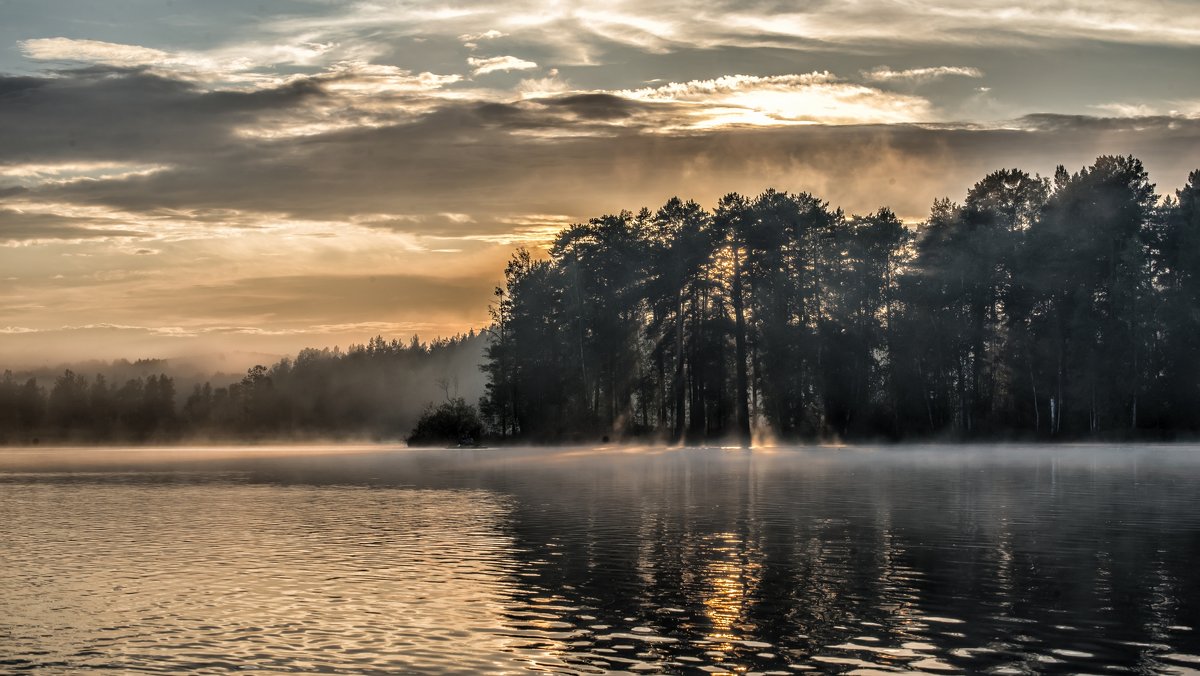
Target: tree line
column 1041, row 308
column 374, row 390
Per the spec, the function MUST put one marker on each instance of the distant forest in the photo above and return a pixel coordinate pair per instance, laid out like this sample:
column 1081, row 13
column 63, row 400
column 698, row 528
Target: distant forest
column 1039, row 308
column 1060, row 308
column 373, row 391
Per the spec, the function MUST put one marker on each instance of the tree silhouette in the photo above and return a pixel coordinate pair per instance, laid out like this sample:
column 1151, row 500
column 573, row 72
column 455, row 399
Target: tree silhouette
column 376, row 390
column 1036, row 308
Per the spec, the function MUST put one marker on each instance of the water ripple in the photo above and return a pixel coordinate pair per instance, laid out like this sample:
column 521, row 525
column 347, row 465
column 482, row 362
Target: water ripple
column 686, row 562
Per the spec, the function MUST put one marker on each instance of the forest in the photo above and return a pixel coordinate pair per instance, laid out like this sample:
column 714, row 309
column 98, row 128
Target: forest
column 1038, row 308
column 376, row 390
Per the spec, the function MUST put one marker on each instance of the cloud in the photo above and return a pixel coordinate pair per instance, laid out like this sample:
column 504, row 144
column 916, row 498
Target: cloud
column 967, row 22
column 179, row 64
column 501, row 171
column 1165, row 125
column 228, row 64
column 94, row 51
column 497, row 64
column 491, row 34
column 920, row 75
column 586, row 31
column 33, row 174
column 374, row 79
column 356, row 94
column 1175, row 108
column 213, row 179
column 812, row 98
column 1127, row 109
column 148, row 118
column 17, row 226
column 595, row 106
column 551, row 85
column 402, row 165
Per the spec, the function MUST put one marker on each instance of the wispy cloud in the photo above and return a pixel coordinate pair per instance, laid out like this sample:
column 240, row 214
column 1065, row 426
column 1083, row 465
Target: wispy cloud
column 1172, row 108
column 658, row 26
column 550, row 85
column 374, row 79
column 920, row 75
column 497, row 64
column 228, row 63
column 60, row 173
column 95, row 51
column 1127, row 109
column 469, row 38
column 961, row 22
column 812, row 98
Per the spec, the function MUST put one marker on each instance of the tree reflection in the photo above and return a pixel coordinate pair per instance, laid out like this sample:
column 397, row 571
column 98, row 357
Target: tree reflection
column 765, row 562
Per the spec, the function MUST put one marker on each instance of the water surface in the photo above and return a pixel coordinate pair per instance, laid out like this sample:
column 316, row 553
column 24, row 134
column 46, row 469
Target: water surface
column 368, row 560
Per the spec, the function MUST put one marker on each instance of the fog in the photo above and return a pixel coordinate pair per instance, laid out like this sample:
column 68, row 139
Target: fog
column 372, row 391
column 390, row 464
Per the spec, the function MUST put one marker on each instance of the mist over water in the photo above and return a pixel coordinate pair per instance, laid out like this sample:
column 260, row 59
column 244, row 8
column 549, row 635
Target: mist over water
column 371, row 560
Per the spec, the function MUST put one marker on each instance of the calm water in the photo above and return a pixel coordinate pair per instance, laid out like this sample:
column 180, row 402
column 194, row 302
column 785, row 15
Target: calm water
column 938, row 560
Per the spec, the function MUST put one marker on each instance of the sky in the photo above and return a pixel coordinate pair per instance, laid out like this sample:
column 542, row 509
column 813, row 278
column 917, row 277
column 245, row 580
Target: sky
column 197, row 177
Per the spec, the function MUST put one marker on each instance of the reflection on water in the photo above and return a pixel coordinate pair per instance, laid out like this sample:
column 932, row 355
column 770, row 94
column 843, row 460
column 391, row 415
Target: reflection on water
column 1017, row 560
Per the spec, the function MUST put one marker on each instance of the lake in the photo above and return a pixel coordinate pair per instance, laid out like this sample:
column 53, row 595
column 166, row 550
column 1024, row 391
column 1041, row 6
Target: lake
column 359, row 560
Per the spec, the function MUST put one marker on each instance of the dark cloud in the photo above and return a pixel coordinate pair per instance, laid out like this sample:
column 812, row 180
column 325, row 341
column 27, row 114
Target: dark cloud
column 489, row 159
column 594, row 106
column 123, row 115
column 575, row 154
column 18, row 226
column 1174, row 126
column 12, row 86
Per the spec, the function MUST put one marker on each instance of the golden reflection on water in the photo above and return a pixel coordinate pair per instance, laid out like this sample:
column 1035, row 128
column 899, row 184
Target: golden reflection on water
column 730, row 579
column 733, row 570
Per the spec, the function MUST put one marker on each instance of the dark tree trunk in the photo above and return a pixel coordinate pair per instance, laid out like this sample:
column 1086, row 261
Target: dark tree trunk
column 742, row 384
